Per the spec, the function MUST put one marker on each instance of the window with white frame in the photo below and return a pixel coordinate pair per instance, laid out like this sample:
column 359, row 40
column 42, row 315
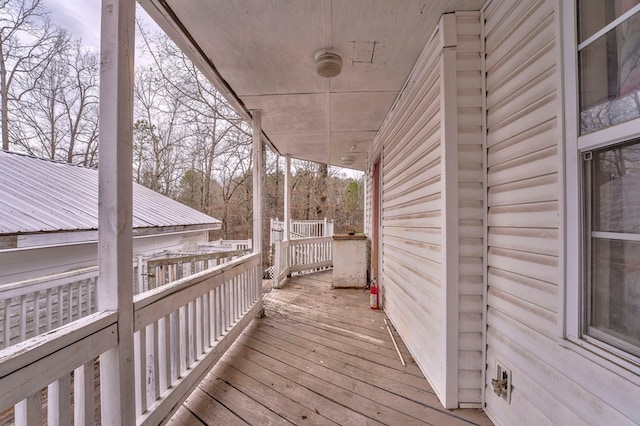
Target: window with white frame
column 609, row 95
column 609, row 62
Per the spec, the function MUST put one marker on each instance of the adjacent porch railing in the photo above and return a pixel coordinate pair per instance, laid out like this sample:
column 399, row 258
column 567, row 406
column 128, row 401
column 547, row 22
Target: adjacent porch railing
column 166, row 270
column 181, row 330
column 32, row 307
column 301, row 255
column 300, row 229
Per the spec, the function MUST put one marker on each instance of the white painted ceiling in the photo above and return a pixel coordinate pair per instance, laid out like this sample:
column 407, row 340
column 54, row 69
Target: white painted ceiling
column 260, row 55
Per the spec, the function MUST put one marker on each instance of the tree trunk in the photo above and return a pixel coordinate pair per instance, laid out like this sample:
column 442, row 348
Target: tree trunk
column 323, row 175
column 4, row 91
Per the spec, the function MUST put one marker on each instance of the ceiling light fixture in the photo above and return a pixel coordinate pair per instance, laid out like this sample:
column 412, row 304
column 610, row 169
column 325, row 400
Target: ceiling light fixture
column 347, row 160
column 328, row 63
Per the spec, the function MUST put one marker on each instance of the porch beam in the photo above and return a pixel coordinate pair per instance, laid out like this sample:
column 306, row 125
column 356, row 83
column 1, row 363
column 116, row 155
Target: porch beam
column 115, row 236
column 287, row 197
column 258, row 172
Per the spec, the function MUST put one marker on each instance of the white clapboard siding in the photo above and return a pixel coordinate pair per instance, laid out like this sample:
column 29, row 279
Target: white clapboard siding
column 471, row 204
column 411, row 213
column 550, row 384
column 522, row 186
column 415, row 171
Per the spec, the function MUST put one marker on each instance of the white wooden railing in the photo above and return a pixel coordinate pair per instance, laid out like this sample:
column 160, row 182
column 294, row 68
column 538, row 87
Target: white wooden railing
column 46, row 365
column 181, row 330
column 300, row 229
column 32, row 307
column 301, row 255
column 168, row 269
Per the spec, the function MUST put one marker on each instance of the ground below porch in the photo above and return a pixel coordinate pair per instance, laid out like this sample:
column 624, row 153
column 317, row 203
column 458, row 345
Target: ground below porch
column 319, row 356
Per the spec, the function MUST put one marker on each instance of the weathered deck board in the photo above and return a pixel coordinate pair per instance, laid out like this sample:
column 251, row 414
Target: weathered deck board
column 320, row 356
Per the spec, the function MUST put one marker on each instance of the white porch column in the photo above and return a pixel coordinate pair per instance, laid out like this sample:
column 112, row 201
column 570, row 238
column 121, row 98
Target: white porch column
column 115, row 243
column 258, row 172
column 287, row 197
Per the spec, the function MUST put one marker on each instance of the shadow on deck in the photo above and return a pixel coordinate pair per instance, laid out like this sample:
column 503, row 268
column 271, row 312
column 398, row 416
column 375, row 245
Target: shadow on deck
column 320, row 356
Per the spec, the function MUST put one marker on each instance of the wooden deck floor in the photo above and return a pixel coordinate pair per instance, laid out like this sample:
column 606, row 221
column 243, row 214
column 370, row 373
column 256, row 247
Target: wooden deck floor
column 320, row 356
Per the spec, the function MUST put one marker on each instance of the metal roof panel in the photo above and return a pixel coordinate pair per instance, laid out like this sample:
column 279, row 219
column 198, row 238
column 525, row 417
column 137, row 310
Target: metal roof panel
column 39, row 195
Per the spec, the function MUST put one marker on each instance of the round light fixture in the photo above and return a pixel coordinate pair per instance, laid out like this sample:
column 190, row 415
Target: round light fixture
column 347, row 160
column 328, row 63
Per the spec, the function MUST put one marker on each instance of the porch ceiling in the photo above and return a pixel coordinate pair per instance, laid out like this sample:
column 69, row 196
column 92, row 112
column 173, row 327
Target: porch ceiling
column 260, row 55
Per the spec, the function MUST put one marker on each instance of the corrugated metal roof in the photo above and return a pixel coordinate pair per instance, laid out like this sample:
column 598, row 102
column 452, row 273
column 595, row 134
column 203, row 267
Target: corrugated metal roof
column 38, row 195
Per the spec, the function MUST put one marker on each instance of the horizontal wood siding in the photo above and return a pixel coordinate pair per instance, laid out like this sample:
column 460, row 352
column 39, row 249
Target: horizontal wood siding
column 471, row 196
column 550, row 385
column 411, row 216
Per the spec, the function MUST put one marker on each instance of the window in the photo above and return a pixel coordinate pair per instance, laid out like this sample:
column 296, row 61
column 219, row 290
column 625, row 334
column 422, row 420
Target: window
column 612, row 246
column 602, row 179
column 609, row 62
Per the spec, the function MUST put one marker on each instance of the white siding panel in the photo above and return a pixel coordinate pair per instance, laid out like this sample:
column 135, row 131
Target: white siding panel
column 537, row 292
column 530, row 215
column 413, row 207
column 411, row 215
column 522, row 184
column 525, row 239
column 529, row 354
column 550, row 384
column 540, row 136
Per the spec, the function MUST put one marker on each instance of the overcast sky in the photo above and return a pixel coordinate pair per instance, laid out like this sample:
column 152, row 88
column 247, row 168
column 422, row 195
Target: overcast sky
column 82, row 18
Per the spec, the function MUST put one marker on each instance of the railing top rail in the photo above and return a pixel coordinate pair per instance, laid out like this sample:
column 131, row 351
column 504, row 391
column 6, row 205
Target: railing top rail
column 194, row 258
column 44, row 283
column 228, row 242
column 33, row 364
column 29, row 351
column 310, row 240
column 307, row 221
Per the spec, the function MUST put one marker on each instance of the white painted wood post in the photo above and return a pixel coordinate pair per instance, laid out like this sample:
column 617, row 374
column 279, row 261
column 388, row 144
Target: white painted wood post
column 287, row 198
column 258, row 169
column 115, row 243
column 27, row 412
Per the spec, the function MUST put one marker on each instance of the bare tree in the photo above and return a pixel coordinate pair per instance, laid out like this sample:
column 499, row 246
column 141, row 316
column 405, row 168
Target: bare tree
column 217, row 136
column 28, row 42
column 80, row 103
column 159, row 136
column 40, row 112
column 57, row 119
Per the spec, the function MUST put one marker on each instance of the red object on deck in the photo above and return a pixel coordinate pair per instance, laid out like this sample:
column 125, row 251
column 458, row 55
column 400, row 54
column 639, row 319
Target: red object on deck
column 373, row 297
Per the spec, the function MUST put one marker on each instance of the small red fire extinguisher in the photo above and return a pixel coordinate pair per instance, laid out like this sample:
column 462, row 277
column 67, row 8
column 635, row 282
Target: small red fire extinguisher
column 373, row 297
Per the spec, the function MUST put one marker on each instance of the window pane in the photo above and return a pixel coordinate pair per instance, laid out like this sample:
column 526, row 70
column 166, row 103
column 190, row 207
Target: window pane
column 615, row 292
column 615, row 193
column 610, row 78
column 593, row 15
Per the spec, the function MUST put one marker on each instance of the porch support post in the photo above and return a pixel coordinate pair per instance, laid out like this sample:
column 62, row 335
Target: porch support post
column 258, row 172
column 287, row 197
column 115, row 236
